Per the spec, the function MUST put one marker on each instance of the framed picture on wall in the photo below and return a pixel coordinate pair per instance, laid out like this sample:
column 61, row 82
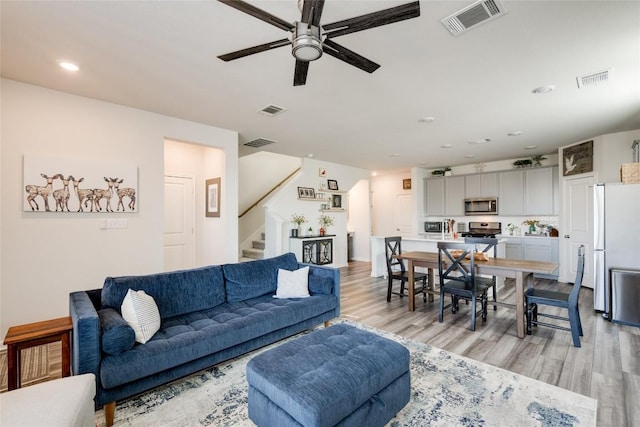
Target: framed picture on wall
column 332, row 184
column 306, row 193
column 336, row 201
column 212, row 189
column 577, row 159
column 406, row 184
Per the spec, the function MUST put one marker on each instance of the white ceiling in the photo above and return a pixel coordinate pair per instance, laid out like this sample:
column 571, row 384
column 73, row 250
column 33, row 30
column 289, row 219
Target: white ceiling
column 161, row 57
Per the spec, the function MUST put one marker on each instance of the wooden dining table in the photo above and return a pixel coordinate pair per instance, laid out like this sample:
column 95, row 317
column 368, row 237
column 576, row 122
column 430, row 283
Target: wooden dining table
column 520, row 270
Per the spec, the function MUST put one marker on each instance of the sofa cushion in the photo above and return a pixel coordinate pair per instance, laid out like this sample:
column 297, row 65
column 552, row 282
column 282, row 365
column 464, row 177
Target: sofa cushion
column 187, row 337
column 319, row 285
column 293, row 284
column 140, row 311
column 199, row 289
column 252, row 279
column 117, row 335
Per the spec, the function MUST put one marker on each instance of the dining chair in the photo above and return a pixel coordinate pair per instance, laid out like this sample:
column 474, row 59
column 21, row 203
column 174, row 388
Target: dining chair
column 490, row 249
column 458, row 278
column 536, row 297
column 396, row 269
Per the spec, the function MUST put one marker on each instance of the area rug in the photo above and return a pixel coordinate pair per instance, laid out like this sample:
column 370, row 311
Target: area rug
column 446, row 390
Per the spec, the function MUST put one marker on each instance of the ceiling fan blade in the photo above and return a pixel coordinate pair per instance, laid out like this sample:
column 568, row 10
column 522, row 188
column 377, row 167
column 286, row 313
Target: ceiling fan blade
column 255, row 49
column 300, row 73
column 312, row 11
column 350, row 57
column 259, row 13
column 371, row 20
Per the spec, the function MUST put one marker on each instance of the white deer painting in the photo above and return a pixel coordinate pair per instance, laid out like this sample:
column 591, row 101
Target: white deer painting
column 34, row 191
column 79, row 189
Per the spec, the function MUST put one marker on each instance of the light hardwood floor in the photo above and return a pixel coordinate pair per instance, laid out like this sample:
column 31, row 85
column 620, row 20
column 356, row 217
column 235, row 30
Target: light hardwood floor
column 606, row 367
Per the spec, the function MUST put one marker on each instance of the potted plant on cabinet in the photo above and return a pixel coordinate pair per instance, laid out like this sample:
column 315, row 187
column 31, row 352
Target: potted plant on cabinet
column 298, row 219
column 325, row 222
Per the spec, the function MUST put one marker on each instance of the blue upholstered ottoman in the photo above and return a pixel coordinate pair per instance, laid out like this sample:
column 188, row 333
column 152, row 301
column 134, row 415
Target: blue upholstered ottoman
column 339, row 375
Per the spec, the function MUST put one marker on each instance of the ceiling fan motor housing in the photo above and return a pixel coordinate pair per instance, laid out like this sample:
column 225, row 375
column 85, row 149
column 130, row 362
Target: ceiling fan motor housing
column 307, row 45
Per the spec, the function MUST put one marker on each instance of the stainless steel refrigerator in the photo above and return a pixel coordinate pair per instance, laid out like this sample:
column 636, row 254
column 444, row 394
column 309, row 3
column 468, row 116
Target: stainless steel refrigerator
column 617, row 248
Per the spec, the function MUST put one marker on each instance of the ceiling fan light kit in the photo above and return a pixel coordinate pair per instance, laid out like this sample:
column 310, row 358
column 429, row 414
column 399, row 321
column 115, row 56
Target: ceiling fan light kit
column 307, row 40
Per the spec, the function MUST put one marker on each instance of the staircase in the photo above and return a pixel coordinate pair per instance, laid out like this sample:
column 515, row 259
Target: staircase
column 255, row 252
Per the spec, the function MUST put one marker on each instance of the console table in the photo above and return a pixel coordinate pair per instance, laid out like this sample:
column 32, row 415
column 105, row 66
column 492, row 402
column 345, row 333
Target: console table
column 315, row 249
column 33, row 334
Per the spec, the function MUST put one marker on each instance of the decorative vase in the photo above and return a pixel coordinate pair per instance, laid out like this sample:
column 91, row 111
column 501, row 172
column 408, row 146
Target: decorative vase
column 321, row 231
column 532, row 228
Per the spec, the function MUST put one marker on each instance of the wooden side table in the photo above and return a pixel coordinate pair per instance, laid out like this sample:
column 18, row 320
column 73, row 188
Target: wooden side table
column 33, row 334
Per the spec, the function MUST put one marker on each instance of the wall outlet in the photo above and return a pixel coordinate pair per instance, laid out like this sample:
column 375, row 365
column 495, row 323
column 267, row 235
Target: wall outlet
column 117, row 223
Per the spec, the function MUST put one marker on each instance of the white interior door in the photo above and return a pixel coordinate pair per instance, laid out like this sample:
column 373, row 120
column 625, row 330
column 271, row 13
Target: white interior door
column 179, row 223
column 403, row 214
column 578, row 213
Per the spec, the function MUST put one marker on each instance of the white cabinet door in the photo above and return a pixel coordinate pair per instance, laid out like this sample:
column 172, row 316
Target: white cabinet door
column 513, row 248
column 454, row 195
column 511, row 199
column 434, row 196
column 481, row 185
column 539, row 191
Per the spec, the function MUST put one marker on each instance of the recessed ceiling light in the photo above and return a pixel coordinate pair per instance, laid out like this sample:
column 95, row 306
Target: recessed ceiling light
column 427, row 119
column 544, row 89
column 310, row 155
column 530, row 147
column 374, row 173
column 446, row 146
column 479, row 141
column 69, row 66
column 515, row 133
column 469, row 156
column 394, row 155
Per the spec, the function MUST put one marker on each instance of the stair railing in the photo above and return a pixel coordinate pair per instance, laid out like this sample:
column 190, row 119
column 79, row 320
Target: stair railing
column 268, row 193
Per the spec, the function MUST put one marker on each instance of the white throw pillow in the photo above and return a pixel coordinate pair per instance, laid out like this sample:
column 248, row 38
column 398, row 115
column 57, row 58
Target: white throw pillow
column 140, row 311
column 293, row 284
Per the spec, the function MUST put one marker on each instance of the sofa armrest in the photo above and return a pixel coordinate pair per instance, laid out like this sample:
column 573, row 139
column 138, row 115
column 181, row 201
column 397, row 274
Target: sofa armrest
column 86, row 334
column 330, row 272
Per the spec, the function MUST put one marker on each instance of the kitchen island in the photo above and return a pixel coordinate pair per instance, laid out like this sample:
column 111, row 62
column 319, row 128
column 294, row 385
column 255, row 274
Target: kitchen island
column 422, row 243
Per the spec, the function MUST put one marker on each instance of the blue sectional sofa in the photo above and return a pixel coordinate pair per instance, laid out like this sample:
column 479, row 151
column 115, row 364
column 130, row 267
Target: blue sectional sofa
column 208, row 315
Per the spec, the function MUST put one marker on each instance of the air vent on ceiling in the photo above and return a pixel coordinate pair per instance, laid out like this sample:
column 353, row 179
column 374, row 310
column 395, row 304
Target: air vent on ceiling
column 595, row 78
column 258, row 142
column 272, row 110
column 472, row 15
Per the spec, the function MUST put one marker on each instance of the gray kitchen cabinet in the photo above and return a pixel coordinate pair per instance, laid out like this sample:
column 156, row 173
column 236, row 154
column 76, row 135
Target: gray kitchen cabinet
column 454, row 195
column 513, row 247
column 481, row 185
column 511, row 197
column 434, row 197
column 542, row 249
column 539, row 191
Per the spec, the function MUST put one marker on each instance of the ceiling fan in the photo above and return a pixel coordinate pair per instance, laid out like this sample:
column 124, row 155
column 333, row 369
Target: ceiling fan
column 310, row 39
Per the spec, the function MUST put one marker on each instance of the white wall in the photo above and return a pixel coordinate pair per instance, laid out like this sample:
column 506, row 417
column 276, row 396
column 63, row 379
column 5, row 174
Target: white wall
column 46, row 255
column 359, row 220
column 282, row 205
column 200, row 163
column 384, row 188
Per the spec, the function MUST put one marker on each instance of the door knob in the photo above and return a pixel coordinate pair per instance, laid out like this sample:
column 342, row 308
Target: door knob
column 567, row 236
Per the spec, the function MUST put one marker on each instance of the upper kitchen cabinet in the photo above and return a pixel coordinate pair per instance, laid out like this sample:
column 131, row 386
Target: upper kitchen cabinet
column 444, row 196
column 481, row 185
column 511, row 197
column 454, row 195
column 434, row 197
column 539, row 191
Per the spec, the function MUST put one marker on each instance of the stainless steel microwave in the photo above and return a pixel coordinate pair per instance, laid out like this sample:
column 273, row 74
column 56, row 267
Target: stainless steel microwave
column 433, row 227
column 481, row 206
